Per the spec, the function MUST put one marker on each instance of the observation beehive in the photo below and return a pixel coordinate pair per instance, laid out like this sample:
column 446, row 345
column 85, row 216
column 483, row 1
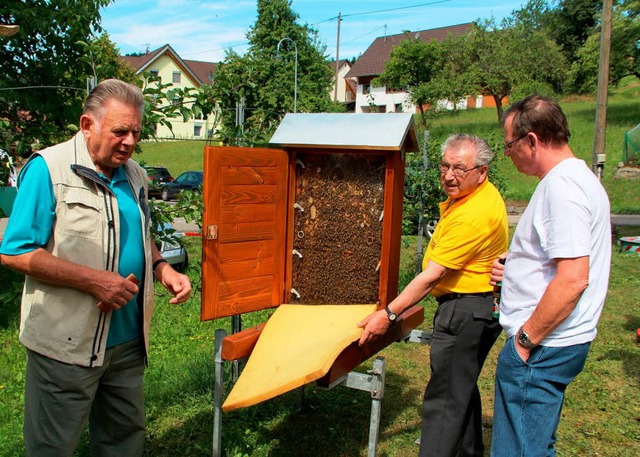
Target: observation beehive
column 315, row 221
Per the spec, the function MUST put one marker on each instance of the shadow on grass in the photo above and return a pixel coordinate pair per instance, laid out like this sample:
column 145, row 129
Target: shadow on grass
column 10, row 295
column 619, row 114
column 331, row 423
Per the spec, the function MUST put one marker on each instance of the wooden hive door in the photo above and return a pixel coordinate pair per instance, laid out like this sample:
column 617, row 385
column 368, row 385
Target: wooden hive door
column 244, row 226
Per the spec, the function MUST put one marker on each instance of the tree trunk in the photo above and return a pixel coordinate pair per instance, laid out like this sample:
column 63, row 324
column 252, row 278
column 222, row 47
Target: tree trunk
column 498, row 99
column 423, row 116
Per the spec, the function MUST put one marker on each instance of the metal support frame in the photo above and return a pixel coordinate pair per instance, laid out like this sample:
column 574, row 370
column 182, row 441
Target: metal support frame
column 218, row 392
column 373, row 381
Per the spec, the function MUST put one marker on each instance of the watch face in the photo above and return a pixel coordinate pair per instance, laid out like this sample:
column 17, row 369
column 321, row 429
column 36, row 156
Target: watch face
column 390, row 314
column 524, row 340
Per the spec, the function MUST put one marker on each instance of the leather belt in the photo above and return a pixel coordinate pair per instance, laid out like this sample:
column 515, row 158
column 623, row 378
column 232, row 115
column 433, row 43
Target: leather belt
column 455, row 296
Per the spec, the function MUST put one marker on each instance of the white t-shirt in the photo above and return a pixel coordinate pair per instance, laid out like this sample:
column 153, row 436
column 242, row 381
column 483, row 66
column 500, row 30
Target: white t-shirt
column 568, row 217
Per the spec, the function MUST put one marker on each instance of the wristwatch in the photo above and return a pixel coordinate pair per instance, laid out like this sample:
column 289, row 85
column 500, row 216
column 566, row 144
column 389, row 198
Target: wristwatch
column 391, row 315
column 524, row 339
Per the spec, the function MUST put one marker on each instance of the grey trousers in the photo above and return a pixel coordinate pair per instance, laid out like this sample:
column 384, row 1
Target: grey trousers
column 59, row 398
column 463, row 334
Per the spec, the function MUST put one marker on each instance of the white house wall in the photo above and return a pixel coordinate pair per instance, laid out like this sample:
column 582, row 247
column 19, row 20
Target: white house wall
column 378, row 96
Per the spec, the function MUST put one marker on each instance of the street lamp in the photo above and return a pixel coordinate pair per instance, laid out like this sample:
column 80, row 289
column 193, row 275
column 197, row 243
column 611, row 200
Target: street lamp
column 295, row 76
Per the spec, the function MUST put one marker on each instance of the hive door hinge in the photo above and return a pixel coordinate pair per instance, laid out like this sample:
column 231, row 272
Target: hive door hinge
column 212, row 232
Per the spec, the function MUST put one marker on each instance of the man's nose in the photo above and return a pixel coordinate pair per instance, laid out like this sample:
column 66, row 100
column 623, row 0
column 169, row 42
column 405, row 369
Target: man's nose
column 130, row 139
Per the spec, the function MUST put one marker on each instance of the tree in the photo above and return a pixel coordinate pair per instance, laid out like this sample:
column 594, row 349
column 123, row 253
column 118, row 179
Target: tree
column 624, row 50
column 412, row 66
column 41, row 65
column 572, row 22
column 499, row 60
column 103, row 60
column 267, row 85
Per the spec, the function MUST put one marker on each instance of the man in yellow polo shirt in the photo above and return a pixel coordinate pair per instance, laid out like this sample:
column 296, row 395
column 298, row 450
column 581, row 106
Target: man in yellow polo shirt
column 472, row 232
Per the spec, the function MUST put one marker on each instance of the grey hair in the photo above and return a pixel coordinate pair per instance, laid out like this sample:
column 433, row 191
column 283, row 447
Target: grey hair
column 484, row 154
column 113, row 89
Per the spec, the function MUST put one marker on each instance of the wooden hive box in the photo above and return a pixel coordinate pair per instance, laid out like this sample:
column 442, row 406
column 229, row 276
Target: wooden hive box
column 316, row 220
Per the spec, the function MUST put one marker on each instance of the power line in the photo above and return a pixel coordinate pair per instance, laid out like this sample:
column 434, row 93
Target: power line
column 395, row 9
column 381, row 11
column 43, row 87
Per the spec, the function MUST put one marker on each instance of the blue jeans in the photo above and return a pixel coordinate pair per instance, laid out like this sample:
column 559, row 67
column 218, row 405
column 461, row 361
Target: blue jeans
column 529, row 397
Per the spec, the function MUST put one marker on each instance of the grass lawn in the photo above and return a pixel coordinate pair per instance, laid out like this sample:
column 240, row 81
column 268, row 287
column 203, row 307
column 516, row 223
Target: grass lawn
column 600, row 416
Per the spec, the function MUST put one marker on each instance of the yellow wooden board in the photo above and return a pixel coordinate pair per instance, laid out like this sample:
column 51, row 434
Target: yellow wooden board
column 298, row 345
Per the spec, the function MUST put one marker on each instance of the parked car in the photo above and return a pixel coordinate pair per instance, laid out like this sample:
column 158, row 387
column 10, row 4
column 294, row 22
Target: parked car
column 157, row 177
column 172, row 251
column 189, row 180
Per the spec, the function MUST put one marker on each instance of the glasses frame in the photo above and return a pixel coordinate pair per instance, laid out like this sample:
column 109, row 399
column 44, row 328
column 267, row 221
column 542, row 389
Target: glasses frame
column 509, row 145
column 457, row 172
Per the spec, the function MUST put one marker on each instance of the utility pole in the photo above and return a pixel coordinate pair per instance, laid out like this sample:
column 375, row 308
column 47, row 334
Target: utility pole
column 335, row 91
column 599, row 156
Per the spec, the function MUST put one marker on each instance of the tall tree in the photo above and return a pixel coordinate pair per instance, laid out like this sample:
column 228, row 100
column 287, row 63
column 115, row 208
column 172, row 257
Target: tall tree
column 572, row 22
column 266, row 84
column 624, row 50
column 501, row 59
column 412, row 66
column 43, row 80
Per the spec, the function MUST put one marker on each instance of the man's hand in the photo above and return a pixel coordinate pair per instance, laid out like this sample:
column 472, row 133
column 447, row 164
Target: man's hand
column 497, row 269
column 113, row 291
column 522, row 351
column 178, row 284
column 375, row 324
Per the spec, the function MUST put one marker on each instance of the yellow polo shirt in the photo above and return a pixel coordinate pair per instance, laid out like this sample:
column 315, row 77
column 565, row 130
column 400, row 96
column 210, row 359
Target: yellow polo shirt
column 472, row 232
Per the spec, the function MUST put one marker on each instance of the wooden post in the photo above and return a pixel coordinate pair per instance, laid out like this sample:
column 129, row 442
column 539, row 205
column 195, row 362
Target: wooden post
column 599, row 154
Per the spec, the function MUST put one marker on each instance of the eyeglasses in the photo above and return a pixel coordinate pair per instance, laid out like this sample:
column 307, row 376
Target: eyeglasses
column 508, row 145
column 457, row 170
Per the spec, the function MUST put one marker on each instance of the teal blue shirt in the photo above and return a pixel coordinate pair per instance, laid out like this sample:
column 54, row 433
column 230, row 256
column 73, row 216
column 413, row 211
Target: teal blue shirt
column 31, row 224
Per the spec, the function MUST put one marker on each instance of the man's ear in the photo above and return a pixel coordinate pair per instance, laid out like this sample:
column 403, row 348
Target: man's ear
column 86, row 122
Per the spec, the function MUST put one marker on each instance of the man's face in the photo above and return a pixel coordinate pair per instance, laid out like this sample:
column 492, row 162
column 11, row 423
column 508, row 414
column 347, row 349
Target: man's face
column 462, row 158
column 112, row 138
column 517, row 148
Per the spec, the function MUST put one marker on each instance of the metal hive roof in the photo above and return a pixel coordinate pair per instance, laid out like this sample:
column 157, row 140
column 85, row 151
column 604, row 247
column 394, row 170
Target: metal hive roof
column 392, row 131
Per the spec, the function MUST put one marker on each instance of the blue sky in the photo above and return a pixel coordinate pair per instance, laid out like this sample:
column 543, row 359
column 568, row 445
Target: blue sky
column 203, row 29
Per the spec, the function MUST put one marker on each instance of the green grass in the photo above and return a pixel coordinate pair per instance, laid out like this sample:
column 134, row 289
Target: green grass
column 177, row 156
column 600, row 416
column 623, row 113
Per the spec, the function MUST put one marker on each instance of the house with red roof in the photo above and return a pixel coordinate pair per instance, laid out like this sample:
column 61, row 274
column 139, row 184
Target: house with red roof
column 170, row 67
column 371, row 65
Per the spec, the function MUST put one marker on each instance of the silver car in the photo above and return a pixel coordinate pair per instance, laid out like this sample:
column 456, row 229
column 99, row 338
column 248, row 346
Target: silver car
column 172, row 251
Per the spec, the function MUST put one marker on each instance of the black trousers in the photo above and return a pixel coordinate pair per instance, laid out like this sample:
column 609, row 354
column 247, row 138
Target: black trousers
column 463, row 334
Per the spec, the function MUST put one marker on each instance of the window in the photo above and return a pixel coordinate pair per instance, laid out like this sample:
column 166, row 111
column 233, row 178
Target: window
column 197, row 130
column 398, row 107
column 366, row 88
column 154, row 73
column 176, row 77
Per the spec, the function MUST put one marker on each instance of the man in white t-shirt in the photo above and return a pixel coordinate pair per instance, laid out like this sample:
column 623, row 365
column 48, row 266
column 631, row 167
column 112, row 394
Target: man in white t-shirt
column 555, row 280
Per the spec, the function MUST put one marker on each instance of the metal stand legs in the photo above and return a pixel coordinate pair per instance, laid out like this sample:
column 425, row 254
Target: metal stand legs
column 218, row 393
